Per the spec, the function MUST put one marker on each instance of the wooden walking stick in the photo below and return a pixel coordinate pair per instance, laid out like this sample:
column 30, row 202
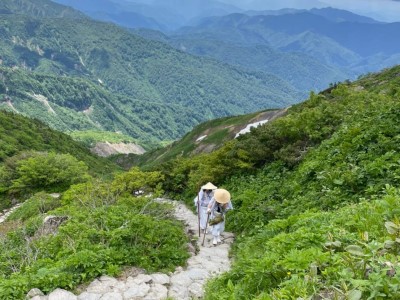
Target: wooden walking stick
column 198, row 210
column 205, row 230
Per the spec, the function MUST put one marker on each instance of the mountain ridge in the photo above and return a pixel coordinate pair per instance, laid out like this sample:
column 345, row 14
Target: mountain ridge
column 341, row 44
column 166, row 83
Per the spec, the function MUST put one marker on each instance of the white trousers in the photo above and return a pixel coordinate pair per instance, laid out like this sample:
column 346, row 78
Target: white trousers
column 203, row 217
column 217, row 229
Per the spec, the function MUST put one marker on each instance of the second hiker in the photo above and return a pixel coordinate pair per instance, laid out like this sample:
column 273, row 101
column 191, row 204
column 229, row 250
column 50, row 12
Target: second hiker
column 218, row 207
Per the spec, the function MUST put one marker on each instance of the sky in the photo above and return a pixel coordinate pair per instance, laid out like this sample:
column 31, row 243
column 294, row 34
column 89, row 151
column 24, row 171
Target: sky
column 382, row 10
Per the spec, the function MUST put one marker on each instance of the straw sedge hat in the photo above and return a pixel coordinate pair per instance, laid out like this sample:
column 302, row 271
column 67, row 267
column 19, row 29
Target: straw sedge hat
column 222, row 196
column 209, row 186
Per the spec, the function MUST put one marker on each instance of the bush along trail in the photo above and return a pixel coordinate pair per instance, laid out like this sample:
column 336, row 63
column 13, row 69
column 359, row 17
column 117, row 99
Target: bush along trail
column 184, row 283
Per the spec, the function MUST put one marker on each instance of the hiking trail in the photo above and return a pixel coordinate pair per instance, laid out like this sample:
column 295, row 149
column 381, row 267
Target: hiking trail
column 184, row 284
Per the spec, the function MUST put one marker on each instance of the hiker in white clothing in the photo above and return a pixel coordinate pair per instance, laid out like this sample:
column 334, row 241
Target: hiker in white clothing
column 205, row 195
column 218, row 207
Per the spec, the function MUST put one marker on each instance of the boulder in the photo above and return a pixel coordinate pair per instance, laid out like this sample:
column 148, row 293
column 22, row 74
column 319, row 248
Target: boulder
column 60, row 294
column 159, row 278
column 34, row 292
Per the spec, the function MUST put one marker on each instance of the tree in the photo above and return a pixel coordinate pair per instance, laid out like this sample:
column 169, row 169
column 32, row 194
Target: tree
column 137, row 182
column 45, row 171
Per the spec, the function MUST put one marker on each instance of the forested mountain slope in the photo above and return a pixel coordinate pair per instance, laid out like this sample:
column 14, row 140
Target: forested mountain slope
column 77, row 218
column 34, row 157
column 204, row 138
column 316, row 195
column 149, row 77
column 359, row 46
column 301, row 70
column 73, row 104
column 39, row 9
column 18, row 133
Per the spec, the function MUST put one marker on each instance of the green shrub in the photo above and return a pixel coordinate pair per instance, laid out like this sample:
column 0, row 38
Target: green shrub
column 34, row 171
column 103, row 233
column 351, row 251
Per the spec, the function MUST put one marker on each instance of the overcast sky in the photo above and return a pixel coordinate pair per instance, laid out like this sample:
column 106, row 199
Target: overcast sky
column 384, row 10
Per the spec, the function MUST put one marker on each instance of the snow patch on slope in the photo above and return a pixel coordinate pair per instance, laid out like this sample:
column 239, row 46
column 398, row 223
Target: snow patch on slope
column 201, row 138
column 249, row 126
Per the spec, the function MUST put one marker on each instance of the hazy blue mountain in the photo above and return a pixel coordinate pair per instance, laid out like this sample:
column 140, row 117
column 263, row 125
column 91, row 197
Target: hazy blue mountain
column 330, row 13
column 340, row 15
column 123, row 13
column 157, row 14
column 275, row 12
column 196, row 8
column 128, row 20
column 91, row 5
column 344, row 44
column 302, row 71
column 168, row 89
column 364, row 39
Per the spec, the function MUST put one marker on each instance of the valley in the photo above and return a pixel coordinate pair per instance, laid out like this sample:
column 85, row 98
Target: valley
column 115, row 114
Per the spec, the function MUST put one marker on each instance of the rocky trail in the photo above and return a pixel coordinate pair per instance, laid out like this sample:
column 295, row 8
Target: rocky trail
column 4, row 214
column 185, row 283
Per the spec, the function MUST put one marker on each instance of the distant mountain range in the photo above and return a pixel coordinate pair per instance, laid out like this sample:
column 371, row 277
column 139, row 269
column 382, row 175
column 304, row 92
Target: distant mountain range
column 300, row 70
column 332, row 14
column 79, row 74
column 338, row 38
column 158, row 14
column 307, row 48
column 156, row 92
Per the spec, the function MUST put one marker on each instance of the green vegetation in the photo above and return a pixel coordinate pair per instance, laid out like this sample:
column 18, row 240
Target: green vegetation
column 103, row 228
column 35, row 158
column 38, row 8
column 98, row 226
column 73, row 104
column 29, row 172
column 18, row 133
column 315, row 195
column 98, row 76
column 300, row 70
column 351, row 253
column 212, row 134
column 91, row 137
column 316, row 192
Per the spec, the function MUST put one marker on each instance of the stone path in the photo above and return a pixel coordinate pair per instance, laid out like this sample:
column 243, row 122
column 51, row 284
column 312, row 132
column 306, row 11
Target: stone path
column 5, row 213
column 183, row 284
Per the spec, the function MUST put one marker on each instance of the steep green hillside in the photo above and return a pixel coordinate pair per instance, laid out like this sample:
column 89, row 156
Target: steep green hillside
column 74, row 104
column 301, row 70
column 33, row 158
column 151, row 81
column 315, row 195
column 204, row 138
column 101, row 228
column 18, row 133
